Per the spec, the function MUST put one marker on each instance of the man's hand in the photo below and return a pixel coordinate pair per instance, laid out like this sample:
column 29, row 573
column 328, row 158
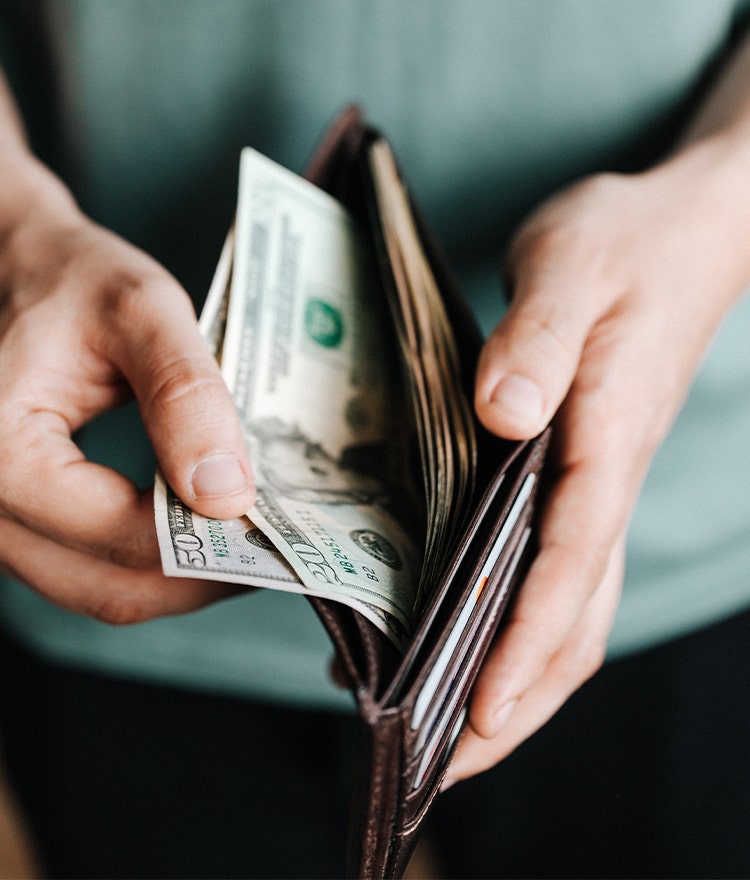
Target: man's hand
column 86, row 321
column 619, row 285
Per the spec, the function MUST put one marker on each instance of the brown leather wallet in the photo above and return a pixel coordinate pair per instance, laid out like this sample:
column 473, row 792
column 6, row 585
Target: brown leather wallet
column 412, row 707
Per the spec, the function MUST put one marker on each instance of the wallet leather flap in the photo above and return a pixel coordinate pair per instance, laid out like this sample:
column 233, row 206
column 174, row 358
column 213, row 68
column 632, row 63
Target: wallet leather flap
column 412, row 708
column 430, row 691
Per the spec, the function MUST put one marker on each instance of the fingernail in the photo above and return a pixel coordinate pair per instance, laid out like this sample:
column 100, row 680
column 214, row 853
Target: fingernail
column 500, row 719
column 217, row 476
column 519, row 398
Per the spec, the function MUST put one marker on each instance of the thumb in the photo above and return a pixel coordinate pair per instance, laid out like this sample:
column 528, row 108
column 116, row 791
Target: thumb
column 529, row 361
column 185, row 405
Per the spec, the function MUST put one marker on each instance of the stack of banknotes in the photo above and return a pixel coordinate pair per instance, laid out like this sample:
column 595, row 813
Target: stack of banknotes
column 348, row 389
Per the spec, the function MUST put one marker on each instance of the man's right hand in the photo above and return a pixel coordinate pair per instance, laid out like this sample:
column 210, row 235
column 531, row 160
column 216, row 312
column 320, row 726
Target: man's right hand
column 87, row 321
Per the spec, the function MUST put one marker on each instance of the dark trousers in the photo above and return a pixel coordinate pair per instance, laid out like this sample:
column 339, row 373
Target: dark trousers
column 644, row 773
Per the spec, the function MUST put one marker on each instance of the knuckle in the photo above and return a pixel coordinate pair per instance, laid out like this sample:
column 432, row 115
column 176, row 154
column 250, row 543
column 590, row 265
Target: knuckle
column 127, row 297
column 591, row 659
column 182, row 382
column 569, row 233
column 550, row 333
column 579, row 664
column 119, row 609
column 604, row 185
column 134, row 552
column 123, row 297
column 593, row 566
column 19, row 457
column 8, row 566
column 578, row 559
column 539, row 245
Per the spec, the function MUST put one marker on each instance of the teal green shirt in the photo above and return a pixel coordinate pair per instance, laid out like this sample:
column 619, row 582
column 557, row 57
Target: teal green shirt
column 490, row 107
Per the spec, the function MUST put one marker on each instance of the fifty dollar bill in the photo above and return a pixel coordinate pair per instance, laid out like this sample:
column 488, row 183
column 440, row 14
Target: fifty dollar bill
column 308, row 356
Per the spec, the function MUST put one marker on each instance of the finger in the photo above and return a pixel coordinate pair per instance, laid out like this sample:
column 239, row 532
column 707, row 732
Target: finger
column 185, row 405
column 54, row 491
column 578, row 531
column 529, row 361
column 96, row 588
column 579, row 658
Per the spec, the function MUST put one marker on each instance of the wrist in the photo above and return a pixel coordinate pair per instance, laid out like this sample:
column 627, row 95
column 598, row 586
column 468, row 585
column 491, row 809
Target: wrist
column 711, row 179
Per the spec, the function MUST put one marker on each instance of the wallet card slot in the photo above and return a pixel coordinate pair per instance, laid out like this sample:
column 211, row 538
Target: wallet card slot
column 490, row 510
column 418, row 798
column 481, row 535
column 428, row 744
column 432, row 682
column 450, row 684
column 431, row 751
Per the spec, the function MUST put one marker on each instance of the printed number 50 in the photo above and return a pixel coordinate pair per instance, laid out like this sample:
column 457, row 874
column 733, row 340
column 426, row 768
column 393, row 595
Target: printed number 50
column 187, row 549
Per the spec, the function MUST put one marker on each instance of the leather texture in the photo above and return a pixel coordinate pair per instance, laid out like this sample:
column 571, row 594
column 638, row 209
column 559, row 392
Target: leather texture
column 412, row 707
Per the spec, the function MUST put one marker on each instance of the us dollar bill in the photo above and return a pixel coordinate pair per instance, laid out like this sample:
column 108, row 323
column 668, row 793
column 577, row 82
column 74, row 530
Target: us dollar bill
column 310, row 360
column 237, row 551
column 445, row 425
column 305, row 347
